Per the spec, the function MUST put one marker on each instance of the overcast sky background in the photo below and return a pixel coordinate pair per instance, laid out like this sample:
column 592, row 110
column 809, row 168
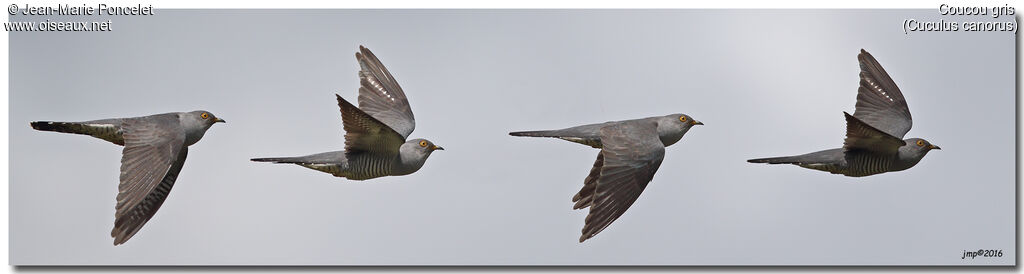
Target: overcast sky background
column 765, row 83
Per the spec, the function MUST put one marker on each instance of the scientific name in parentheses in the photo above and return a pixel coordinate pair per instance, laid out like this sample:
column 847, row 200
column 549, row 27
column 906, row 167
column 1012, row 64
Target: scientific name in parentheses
column 100, row 9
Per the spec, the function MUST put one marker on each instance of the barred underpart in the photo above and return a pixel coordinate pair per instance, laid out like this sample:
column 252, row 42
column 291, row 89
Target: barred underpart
column 864, row 164
column 368, row 166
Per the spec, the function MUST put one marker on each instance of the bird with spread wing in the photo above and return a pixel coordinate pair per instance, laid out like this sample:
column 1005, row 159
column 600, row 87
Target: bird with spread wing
column 631, row 152
column 874, row 133
column 376, row 131
column 154, row 152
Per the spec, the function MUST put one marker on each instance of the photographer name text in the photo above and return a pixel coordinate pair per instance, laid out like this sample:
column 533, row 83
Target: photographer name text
column 68, row 9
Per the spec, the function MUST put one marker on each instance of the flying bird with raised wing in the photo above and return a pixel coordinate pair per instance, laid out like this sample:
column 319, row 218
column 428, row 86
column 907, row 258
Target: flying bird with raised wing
column 874, row 133
column 376, row 131
column 154, row 151
column 631, row 152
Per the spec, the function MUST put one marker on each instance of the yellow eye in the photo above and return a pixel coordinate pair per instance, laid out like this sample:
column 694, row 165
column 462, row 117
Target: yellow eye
column 920, row 143
column 205, row 115
column 423, row 143
column 683, row 119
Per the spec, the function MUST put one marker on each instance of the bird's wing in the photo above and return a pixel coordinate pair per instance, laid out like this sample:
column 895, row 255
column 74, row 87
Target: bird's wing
column 861, row 136
column 631, row 155
column 381, row 97
column 879, row 102
column 363, row 133
column 152, row 157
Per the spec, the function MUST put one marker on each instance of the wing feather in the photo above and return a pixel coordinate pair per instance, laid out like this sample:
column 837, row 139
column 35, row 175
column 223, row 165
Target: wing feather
column 363, row 133
column 861, row 136
column 631, row 154
column 880, row 103
column 150, row 155
column 380, row 95
column 131, row 220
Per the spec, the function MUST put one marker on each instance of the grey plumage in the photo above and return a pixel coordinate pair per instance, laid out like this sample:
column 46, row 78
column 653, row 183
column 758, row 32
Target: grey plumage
column 631, row 152
column 155, row 148
column 376, row 131
column 874, row 132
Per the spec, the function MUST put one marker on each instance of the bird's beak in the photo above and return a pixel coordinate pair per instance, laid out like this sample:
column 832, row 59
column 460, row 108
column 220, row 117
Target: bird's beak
column 219, row 120
column 438, row 147
column 934, row 147
column 695, row 122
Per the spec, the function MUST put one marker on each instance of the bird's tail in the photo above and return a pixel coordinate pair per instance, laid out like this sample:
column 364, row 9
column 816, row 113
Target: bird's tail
column 538, row 133
column 64, row 127
column 775, row 160
column 280, row 160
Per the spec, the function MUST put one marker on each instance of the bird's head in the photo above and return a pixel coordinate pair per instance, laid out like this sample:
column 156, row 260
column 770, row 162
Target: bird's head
column 922, row 144
column 912, row 153
column 421, row 146
column 414, row 153
column 918, row 147
column 672, row 127
column 201, row 118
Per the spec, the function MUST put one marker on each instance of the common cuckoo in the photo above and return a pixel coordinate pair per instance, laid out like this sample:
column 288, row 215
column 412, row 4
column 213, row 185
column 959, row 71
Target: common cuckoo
column 376, row 131
column 154, row 151
column 874, row 133
column 631, row 151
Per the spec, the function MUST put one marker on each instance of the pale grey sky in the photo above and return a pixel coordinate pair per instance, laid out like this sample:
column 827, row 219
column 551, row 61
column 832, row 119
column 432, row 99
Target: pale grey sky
column 766, row 83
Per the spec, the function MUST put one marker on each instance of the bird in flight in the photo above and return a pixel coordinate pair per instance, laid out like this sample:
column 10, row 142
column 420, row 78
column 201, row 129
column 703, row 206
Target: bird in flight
column 376, row 131
column 874, row 133
column 631, row 152
column 154, row 151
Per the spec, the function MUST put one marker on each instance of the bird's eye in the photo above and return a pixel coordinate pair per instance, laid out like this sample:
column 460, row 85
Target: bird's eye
column 920, row 143
column 683, row 119
column 205, row 115
column 423, row 143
